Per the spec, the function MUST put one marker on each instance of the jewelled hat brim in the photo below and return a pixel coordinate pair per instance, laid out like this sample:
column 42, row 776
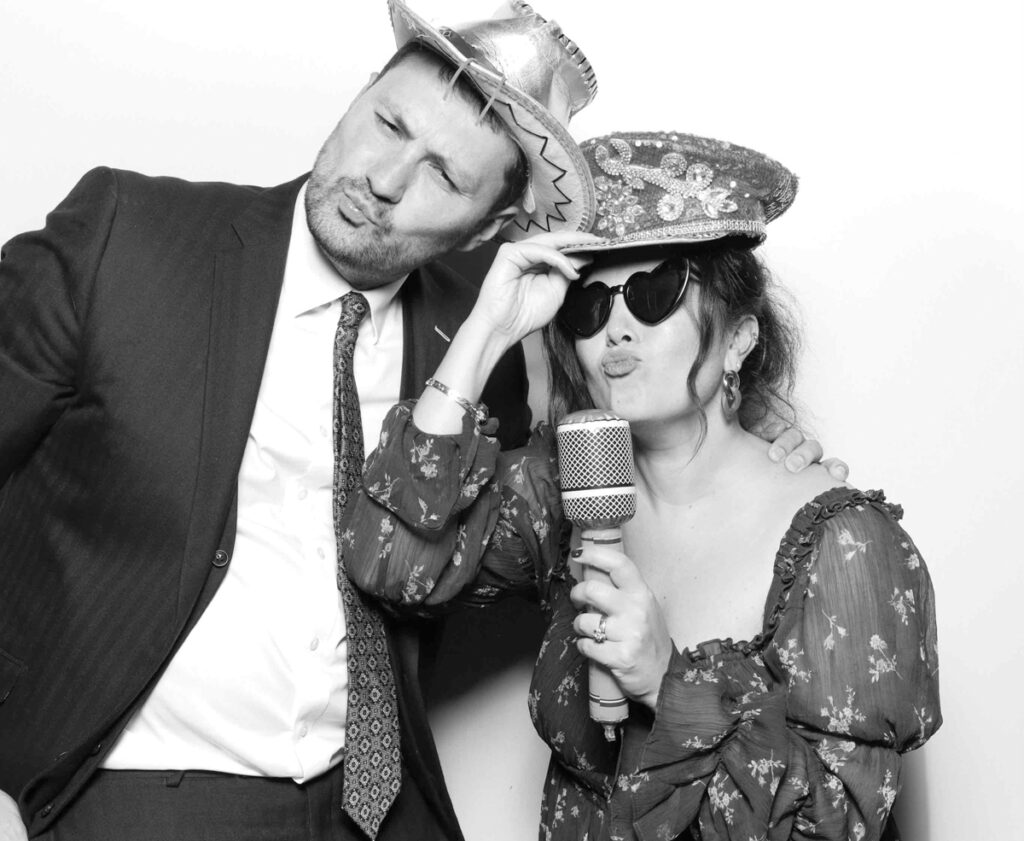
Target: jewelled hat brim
column 563, row 188
column 690, row 234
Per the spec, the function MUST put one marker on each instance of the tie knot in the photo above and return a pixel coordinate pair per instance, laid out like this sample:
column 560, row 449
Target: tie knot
column 353, row 309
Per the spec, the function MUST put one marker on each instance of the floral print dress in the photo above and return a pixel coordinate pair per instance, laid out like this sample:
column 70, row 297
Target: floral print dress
column 794, row 734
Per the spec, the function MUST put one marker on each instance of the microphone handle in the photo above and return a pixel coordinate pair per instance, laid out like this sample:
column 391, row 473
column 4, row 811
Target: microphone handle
column 608, row 706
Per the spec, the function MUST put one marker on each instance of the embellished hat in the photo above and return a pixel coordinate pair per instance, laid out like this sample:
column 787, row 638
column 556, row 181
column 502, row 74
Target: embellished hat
column 656, row 188
column 535, row 79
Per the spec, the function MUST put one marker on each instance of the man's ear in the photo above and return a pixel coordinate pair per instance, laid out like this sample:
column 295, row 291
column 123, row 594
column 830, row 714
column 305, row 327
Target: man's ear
column 742, row 341
column 494, row 223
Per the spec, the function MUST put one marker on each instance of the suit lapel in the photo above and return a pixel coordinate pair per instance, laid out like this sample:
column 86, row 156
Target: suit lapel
column 248, row 274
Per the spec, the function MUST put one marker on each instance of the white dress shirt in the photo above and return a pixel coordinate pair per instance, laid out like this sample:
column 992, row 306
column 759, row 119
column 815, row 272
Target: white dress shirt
column 260, row 684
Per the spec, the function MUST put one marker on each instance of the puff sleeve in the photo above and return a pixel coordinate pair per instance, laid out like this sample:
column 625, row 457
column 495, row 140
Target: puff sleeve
column 445, row 520
column 861, row 663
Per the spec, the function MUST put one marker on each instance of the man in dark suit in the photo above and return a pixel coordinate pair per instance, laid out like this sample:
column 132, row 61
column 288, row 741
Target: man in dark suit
column 172, row 645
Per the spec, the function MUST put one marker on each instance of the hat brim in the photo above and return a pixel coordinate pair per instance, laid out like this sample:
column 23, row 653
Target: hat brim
column 675, row 235
column 563, row 188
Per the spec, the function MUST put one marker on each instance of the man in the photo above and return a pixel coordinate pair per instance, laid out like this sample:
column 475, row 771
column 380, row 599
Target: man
column 166, row 529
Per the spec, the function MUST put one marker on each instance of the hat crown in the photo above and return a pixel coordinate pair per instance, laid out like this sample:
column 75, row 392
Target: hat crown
column 533, row 55
column 672, row 187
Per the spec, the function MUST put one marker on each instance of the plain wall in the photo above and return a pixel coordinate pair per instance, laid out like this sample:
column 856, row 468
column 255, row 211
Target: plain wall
column 904, row 121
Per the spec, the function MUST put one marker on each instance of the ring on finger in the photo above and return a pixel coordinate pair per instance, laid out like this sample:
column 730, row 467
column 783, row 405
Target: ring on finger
column 601, row 631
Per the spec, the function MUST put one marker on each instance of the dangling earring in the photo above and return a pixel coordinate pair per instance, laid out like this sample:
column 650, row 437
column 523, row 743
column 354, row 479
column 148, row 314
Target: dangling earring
column 731, row 397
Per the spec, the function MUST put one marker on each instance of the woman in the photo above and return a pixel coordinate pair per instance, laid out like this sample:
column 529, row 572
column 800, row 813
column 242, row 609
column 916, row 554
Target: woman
column 797, row 730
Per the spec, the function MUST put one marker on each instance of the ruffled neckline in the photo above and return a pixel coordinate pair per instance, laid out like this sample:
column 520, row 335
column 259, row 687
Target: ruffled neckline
column 794, row 551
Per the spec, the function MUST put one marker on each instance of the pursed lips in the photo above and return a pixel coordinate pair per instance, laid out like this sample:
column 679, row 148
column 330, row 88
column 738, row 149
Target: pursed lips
column 356, row 210
column 619, row 363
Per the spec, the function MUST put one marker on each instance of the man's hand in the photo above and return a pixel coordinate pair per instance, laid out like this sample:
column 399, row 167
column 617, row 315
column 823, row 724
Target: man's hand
column 11, row 827
column 788, row 443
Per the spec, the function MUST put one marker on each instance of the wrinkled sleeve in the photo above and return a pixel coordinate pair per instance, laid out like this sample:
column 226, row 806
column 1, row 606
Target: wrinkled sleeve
column 449, row 520
column 45, row 280
column 806, row 741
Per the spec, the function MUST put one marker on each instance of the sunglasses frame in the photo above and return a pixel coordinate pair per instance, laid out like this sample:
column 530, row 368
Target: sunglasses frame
column 638, row 277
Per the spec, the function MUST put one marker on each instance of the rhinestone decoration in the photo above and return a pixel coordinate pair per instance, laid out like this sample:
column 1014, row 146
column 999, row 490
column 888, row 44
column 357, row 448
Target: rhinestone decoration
column 660, row 187
column 617, row 207
column 679, row 181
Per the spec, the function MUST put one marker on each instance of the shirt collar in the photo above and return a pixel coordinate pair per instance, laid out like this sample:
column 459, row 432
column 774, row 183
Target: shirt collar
column 312, row 282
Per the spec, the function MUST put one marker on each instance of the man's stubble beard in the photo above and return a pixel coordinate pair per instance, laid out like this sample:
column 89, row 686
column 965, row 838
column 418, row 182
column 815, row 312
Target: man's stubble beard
column 368, row 257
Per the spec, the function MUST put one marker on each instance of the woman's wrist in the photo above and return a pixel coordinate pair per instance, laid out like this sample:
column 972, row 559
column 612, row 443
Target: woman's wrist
column 485, row 341
column 477, row 411
column 464, row 371
column 475, row 351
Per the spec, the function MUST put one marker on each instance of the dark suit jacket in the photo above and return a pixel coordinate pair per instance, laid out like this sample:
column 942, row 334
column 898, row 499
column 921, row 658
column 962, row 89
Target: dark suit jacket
column 133, row 332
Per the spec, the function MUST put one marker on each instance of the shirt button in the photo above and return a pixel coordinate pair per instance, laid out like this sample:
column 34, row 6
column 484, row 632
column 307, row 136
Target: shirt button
column 320, row 551
column 314, row 644
column 303, row 493
column 303, row 731
column 220, row 558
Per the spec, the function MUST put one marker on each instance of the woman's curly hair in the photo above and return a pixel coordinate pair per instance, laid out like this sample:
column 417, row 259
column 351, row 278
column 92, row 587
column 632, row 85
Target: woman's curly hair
column 735, row 283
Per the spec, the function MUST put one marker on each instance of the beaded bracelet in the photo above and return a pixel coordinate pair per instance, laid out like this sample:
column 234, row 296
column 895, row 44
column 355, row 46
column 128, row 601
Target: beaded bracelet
column 478, row 411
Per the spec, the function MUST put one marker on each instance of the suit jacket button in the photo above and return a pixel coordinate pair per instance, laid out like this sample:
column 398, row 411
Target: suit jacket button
column 220, row 558
column 46, row 810
column 60, row 757
column 96, row 749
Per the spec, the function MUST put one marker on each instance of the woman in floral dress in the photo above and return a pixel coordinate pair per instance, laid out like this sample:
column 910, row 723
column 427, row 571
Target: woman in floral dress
column 818, row 667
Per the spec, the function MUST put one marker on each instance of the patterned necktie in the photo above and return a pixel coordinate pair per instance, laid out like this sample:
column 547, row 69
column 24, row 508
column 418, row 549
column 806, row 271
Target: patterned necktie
column 373, row 756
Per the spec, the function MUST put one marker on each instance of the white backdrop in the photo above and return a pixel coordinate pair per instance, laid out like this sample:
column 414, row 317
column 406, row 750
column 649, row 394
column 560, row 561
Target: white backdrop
column 904, row 121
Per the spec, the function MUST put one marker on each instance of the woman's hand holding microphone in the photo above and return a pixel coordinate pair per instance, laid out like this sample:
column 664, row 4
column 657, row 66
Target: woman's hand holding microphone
column 631, row 639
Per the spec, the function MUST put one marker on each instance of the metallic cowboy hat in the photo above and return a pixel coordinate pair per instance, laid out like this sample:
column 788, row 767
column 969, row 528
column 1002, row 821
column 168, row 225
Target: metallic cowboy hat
column 535, row 79
column 660, row 188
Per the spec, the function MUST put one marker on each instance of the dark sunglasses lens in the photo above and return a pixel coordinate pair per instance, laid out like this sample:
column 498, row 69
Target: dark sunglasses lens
column 652, row 295
column 585, row 308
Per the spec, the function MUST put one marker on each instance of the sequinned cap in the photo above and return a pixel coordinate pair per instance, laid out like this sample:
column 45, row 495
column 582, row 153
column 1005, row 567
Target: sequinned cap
column 657, row 188
column 535, row 79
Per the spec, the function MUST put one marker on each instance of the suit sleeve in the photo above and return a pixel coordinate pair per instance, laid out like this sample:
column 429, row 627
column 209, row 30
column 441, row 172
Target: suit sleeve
column 45, row 278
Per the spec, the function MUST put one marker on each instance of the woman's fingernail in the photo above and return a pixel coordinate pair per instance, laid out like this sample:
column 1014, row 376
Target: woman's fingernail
column 575, row 553
column 795, row 462
column 775, row 453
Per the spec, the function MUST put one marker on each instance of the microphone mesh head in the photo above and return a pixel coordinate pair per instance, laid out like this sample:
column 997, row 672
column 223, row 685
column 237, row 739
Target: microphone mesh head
column 595, row 466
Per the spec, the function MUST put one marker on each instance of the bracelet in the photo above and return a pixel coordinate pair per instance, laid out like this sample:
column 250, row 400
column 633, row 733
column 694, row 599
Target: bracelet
column 478, row 411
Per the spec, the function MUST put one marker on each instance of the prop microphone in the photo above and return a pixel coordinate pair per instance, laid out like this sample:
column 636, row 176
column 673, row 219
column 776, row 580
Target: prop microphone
column 595, row 466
